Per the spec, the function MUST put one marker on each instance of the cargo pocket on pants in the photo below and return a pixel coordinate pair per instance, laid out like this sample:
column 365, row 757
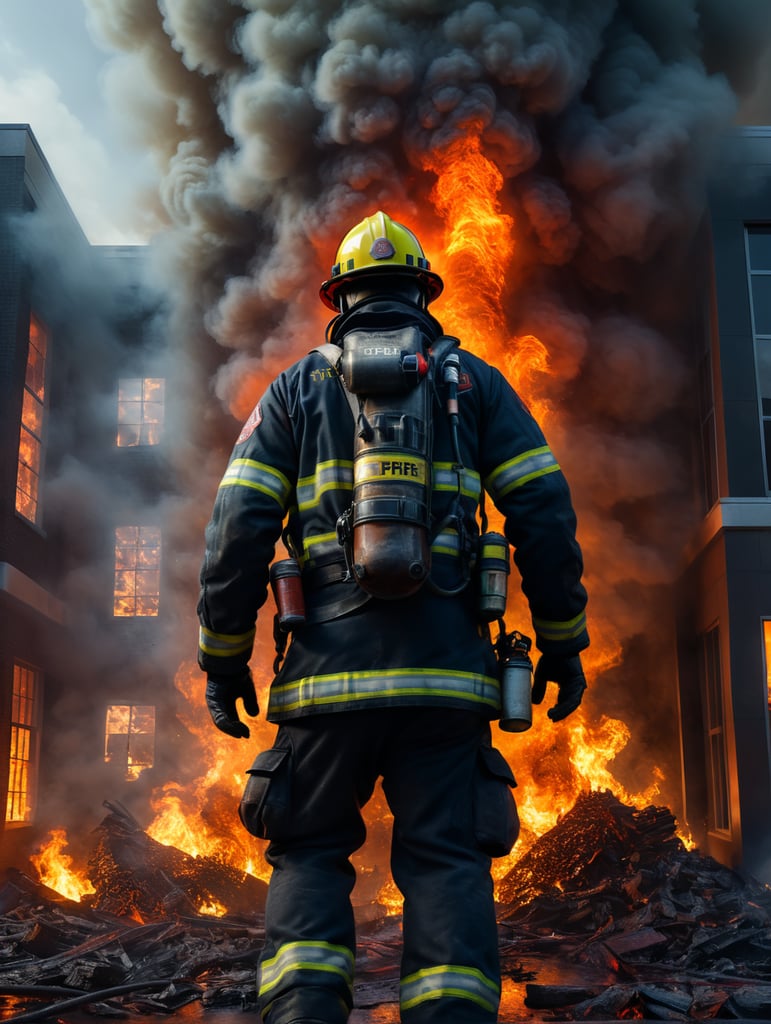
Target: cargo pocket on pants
column 266, row 800
column 496, row 821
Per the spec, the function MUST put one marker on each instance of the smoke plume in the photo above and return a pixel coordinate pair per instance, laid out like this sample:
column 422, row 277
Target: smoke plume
column 277, row 124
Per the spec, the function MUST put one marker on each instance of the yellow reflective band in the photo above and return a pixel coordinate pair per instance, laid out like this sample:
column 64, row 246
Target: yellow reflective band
column 445, row 478
column 224, row 645
column 495, row 550
column 449, row 981
column 258, row 477
column 360, row 687
column 518, row 471
column 396, row 466
column 306, row 956
column 317, row 545
column 560, row 630
column 446, row 543
column 333, row 475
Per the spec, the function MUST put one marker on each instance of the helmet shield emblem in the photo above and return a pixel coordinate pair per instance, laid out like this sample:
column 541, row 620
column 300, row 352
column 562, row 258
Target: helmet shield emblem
column 382, row 249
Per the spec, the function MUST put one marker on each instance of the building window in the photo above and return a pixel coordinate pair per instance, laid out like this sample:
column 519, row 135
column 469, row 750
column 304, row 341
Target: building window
column 137, row 570
column 714, row 712
column 140, row 411
column 129, row 738
column 25, row 716
column 758, row 238
column 33, row 409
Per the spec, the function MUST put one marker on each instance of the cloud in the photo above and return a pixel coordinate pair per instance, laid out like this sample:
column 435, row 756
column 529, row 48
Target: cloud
column 80, row 163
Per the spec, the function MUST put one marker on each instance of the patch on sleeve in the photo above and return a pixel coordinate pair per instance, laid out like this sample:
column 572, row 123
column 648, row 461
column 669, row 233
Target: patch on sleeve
column 255, row 419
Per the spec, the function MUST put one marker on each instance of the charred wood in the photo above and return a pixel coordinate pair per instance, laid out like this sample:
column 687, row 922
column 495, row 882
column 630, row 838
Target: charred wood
column 134, row 875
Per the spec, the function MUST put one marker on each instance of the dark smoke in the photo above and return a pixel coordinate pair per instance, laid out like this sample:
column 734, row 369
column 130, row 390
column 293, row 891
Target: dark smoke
column 276, row 125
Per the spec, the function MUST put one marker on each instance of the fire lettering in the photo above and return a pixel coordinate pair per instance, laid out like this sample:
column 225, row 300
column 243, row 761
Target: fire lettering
column 398, row 468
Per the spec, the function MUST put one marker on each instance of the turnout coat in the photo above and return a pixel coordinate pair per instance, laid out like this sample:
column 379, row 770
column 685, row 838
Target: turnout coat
column 291, row 471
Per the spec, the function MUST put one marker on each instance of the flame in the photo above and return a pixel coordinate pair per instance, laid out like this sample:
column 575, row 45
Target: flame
column 475, row 262
column 55, row 868
column 212, row 908
column 199, row 817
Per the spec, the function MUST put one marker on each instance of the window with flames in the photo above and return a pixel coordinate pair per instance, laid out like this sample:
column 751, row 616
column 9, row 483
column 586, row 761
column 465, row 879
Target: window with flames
column 23, row 762
column 140, row 411
column 137, row 571
column 31, row 439
column 129, row 739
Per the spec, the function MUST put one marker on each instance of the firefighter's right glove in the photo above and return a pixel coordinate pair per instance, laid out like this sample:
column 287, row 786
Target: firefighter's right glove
column 222, row 692
column 568, row 674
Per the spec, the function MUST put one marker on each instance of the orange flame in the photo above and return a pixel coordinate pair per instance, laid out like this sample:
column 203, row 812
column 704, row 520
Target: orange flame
column 55, row 868
column 199, row 818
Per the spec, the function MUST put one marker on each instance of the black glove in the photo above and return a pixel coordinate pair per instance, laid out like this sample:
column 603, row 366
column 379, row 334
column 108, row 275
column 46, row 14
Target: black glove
column 222, row 692
column 568, row 674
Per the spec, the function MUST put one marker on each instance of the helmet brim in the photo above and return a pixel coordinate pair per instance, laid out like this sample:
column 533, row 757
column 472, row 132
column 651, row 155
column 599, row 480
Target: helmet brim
column 431, row 283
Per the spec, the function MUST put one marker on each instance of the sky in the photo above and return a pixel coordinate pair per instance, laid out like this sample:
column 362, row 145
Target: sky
column 52, row 77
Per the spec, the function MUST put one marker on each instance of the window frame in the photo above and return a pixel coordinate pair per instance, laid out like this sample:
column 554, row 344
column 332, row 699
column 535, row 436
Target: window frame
column 719, row 812
column 29, row 724
column 128, row 568
column 133, row 709
column 144, row 426
column 31, row 399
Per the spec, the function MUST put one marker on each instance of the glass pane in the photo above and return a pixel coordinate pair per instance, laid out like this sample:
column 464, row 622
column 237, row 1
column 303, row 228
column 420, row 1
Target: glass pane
column 32, row 413
column 130, row 389
column 118, row 717
column 124, row 583
column 148, row 582
column 759, row 243
column 129, row 412
column 149, row 536
column 29, row 449
column 143, row 718
column 153, row 391
column 761, row 302
column 128, row 437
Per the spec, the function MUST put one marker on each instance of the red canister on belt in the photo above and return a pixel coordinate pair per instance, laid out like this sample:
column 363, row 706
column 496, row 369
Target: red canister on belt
column 286, row 584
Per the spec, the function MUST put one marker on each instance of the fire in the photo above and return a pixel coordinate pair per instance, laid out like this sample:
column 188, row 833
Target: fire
column 200, row 818
column 478, row 244
column 55, row 868
column 476, row 265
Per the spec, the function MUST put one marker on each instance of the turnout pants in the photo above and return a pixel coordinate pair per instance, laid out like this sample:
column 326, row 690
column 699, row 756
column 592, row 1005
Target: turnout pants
column 450, row 795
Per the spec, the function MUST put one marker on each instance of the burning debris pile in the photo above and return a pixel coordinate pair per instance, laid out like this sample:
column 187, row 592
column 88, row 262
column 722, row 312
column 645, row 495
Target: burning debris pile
column 57, row 955
column 137, row 876
column 610, row 903
column 677, row 935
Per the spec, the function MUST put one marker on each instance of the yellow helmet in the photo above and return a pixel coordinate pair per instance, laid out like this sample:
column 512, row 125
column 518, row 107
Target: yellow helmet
column 379, row 245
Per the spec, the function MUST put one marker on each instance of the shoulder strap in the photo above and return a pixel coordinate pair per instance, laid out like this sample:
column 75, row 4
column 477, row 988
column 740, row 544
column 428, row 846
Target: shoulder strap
column 332, row 353
column 440, row 349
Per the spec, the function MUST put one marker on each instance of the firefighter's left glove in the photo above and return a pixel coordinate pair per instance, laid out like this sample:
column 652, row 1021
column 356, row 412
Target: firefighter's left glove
column 222, row 692
column 568, row 674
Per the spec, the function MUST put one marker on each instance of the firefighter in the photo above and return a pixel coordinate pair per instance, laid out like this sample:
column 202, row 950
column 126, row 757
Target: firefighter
column 388, row 673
